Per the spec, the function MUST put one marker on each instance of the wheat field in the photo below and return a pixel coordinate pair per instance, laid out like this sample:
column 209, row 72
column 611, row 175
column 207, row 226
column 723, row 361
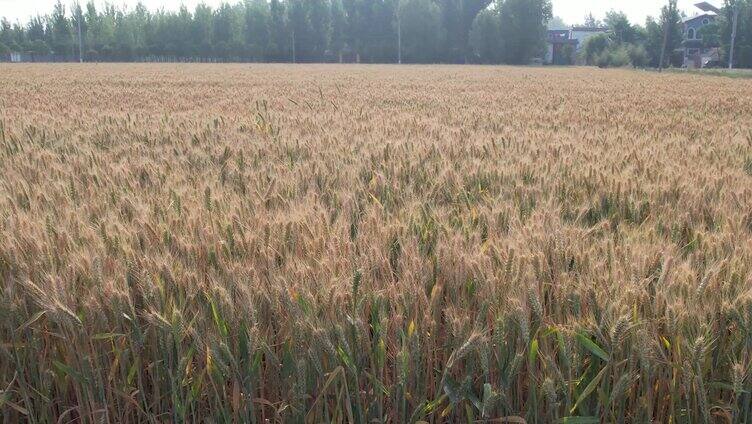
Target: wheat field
column 277, row 243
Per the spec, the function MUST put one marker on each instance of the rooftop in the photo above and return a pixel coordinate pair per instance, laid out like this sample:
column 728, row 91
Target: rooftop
column 707, row 7
column 701, row 15
column 589, row 29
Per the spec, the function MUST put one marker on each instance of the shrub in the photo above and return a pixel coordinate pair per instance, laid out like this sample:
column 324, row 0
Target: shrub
column 619, row 57
column 614, row 57
column 603, row 60
column 594, row 48
column 638, row 55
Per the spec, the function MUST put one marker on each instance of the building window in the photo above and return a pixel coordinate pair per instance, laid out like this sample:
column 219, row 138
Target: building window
column 691, row 34
column 705, row 21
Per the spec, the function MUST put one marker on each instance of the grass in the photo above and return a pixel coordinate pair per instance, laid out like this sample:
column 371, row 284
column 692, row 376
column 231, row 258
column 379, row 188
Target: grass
column 373, row 244
column 730, row 73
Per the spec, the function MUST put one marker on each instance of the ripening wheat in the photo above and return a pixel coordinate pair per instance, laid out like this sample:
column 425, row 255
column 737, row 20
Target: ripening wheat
column 200, row 243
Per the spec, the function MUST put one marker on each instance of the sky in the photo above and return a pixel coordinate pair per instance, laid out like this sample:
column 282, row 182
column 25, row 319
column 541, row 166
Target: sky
column 572, row 11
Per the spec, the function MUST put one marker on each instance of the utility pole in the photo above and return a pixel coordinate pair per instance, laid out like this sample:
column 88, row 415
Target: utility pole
column 666, row 27
column 735, row 21
column 293, row 45
column 663, row 46
column 80, row 40
column 462, row 29
column 399, row 34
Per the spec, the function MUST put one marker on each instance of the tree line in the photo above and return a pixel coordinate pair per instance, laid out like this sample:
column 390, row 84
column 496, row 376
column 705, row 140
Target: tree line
column 270, row 30
column 369, row 31
column 644, row 46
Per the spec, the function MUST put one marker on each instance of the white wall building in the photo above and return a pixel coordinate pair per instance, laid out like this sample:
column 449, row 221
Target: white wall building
column 562, row 45
column 581, row 34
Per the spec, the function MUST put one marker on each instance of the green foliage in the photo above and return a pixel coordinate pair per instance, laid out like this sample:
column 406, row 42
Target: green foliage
column 523, row 29
column 568, row 52
column 4, row 49
column 485, row 36
column 619, row 56
column 61, row 35
column 594, row 48
column 279, row 42
column 592, row 22
column 622, row 46
column 556, row 23
column 457, row 19
column 421, row 30
column 621, row 29
column 603, row 51
column 306, row 31
column 338, row 27
column 433, row 31
column 653, row 41
column 710, row 35
column 743, row 44
column 669, row 32
column 638, row 56
column 39, row 47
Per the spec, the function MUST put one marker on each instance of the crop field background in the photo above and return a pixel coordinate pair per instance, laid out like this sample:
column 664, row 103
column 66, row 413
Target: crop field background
column 275, row 243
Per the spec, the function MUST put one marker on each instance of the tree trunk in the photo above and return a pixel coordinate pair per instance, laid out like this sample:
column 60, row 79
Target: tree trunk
column 735, row 21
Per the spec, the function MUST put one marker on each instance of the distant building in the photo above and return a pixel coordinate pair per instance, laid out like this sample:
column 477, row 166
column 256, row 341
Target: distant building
column 582, row 33
column 697, row 54
column 560, row 49
column 562, row 45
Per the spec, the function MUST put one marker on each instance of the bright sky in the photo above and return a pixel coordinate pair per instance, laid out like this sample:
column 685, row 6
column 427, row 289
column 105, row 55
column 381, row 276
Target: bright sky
column 572, row 11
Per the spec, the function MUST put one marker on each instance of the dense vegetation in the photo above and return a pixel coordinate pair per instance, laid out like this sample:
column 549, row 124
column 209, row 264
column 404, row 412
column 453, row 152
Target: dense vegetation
column 274, row 243
column 431, row 31
column 628, row 44
column 276, row 30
